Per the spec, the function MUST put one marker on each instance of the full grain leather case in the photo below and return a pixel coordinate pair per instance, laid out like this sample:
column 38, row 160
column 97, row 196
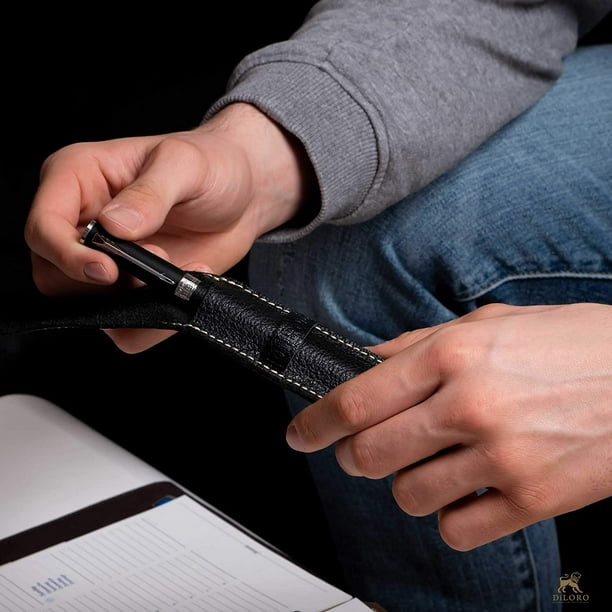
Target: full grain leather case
column 280, row 344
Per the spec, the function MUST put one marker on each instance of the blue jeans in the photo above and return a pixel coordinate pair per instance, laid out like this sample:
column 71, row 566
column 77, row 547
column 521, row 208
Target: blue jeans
column 525, row 219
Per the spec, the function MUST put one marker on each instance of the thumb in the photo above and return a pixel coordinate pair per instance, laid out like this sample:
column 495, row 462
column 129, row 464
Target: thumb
column 136, row 212
column 169, row 174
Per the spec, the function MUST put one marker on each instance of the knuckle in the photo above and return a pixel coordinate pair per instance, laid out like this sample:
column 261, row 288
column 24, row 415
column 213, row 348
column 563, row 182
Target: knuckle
column 505, row 462
column 478, row 413
column 525, row 502
column 54, row 157
column 454, row 533
column 352, row 409
column 142, row 189
column 407, row 497
column 491, row 310
column 175, row 147
column 308, row 434
column 366, row 455
column 472, row 411
column 453, row 350
column 65, row 155
column 33, row 229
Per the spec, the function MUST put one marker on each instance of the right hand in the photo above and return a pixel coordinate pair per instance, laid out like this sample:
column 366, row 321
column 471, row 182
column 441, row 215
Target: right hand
column 198, row 198
column 512, row 400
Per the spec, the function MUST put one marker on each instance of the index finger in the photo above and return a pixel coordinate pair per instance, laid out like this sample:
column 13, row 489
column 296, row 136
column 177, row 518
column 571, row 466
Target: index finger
column 400, row 382
column 52, row 228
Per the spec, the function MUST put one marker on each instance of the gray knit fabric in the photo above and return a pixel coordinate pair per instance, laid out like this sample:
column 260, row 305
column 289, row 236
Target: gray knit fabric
column 386, row 95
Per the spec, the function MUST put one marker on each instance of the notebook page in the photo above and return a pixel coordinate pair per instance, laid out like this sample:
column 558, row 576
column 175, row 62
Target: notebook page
column 179, row 556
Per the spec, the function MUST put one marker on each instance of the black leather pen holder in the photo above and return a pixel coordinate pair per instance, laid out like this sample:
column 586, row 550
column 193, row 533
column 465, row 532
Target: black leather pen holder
column 279, row 344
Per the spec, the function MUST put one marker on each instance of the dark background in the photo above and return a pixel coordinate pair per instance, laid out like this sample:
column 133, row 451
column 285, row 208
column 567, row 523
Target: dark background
column 71, row 76
column 87, row 75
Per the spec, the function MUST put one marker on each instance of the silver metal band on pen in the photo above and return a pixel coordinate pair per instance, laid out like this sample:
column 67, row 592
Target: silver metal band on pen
column 186, row 286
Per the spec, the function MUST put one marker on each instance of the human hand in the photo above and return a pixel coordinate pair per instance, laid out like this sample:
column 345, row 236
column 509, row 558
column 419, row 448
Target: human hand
column 514, row 400
column 197, row 198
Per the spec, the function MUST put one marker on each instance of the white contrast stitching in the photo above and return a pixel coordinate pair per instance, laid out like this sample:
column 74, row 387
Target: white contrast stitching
column 286, row 310
column 266, row 300
column 349, row 345
column 247, row 289
column 247, row 356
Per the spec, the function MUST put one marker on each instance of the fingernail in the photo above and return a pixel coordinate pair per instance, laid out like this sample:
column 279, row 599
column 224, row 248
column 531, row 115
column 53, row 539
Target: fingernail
column 293, row 438
column 96, row 272
column 125, row 217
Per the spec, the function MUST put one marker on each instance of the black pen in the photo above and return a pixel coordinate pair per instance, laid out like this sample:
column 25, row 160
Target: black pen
column 139, row 262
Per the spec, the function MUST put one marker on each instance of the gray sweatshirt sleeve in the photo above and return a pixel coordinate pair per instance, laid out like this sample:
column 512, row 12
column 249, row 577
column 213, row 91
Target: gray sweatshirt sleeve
column 386, row 95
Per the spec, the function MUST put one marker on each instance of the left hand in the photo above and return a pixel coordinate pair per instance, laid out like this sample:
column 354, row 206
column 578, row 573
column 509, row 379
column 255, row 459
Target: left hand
column 514, row 400
column 197, row 198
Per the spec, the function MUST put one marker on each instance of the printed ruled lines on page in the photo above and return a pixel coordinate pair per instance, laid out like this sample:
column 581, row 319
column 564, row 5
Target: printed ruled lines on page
column 179, row 556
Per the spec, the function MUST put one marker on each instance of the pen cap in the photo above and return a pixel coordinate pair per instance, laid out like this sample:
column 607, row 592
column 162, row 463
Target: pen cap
column 131, row 257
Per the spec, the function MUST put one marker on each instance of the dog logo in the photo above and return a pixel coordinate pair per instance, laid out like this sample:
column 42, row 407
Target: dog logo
column 568, row 580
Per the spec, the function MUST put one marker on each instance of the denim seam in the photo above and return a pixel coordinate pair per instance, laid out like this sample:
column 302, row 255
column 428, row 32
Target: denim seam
column 536, row 582
column 534, row 275
column 530, row 583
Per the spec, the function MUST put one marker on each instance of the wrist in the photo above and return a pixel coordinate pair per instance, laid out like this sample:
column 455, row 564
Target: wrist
column 284, row 185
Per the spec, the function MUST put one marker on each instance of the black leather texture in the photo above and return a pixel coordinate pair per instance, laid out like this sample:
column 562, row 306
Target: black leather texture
column 281, row 345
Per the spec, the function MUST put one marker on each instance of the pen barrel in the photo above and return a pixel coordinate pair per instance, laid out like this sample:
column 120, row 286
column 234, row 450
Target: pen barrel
column 134, row 259
column 280, row 344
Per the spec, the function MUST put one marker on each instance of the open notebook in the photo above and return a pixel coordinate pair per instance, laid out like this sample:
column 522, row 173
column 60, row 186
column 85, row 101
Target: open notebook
column 85, row 526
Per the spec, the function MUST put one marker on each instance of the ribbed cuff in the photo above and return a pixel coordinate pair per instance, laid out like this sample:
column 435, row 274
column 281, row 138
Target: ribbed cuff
column 333, row 127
